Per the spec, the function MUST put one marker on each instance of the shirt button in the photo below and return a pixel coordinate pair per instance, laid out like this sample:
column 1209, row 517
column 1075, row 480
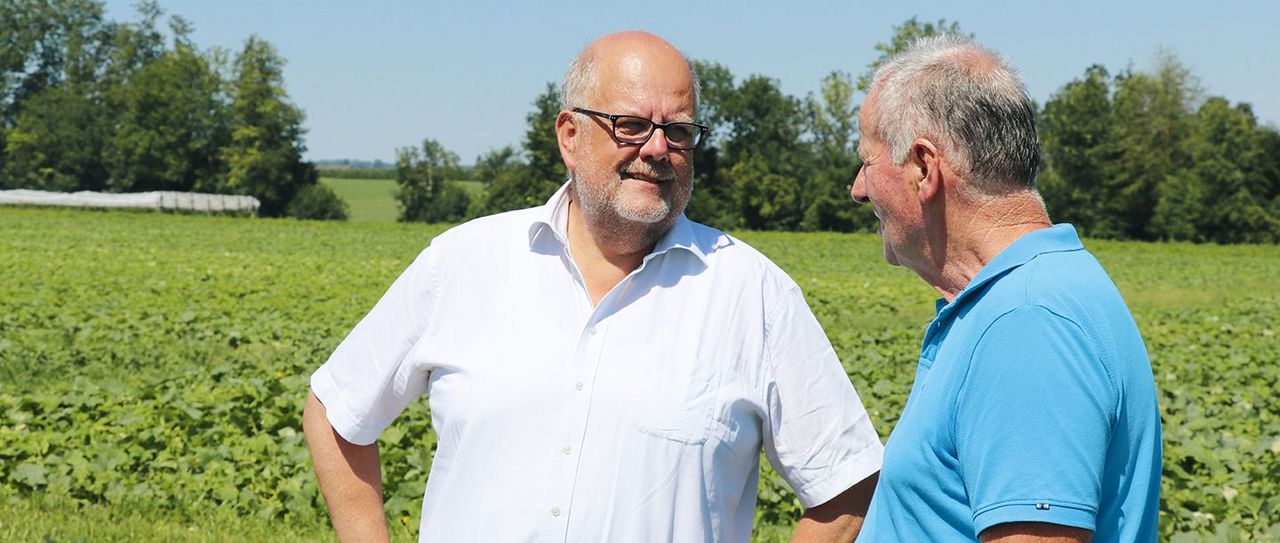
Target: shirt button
column 555, row 511
column 592, row 330
column 578, row 385
column 566, row 449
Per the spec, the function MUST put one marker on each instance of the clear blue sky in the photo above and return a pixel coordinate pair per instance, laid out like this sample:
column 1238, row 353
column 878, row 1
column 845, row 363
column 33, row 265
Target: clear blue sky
column 374, row 76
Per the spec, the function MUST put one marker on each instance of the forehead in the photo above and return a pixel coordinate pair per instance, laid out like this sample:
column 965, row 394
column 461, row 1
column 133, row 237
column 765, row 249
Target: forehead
column 866, row 113
column 645, row 83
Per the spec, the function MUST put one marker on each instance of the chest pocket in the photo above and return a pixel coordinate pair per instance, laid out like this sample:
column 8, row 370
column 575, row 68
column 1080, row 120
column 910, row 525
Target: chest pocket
column 673, row 398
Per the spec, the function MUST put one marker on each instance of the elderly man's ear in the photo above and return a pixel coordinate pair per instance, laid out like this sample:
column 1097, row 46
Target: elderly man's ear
column 566, row 129
column 928, row 164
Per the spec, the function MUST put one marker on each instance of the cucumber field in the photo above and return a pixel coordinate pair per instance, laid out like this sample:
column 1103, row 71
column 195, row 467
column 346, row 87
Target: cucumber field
column 153, row 369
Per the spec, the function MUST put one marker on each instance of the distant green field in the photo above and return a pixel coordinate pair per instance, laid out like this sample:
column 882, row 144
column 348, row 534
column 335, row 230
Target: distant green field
column 153, row 369
column 368, row 200
column 374, row 200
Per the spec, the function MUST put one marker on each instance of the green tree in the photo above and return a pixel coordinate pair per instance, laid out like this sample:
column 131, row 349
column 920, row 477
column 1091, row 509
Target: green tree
column 496, row 169
column 48, row 43
column 491, row 164
column 57, row 143
column 264, row 156
column 1075, row 128
column 546, row 169
column 1152, row 121
column 317, row 202
column 767, row 200
column 424, row 193
column 544, row 172
column 833, row 126
column 713, row 200
column 50, row 51
column 1226, row 195
column 171, row 126
column 764, row 134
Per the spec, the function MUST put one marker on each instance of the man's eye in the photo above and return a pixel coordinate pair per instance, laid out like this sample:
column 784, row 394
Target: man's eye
column 633, row 127
column 679, row 133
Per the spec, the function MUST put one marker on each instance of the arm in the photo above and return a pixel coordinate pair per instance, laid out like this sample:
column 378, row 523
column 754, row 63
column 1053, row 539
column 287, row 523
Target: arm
column 839, row 519
column 1034, row 532
column 350, row 478
column 1033, row 423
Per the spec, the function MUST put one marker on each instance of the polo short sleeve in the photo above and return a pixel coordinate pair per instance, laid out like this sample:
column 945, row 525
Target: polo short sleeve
column 371, row 377
column 1039, row 375
column 818, row 437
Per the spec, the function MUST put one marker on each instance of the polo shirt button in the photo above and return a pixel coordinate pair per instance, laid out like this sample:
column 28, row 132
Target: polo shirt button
column 555, row 511
column 592, row 330
column 566, row 449
column 578, row 385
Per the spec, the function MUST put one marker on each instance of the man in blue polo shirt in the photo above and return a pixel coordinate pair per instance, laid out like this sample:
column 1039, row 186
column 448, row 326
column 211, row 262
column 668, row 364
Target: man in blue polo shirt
column 1033, row 415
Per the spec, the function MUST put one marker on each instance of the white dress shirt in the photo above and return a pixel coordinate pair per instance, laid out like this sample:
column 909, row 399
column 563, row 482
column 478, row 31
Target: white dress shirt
column 639, row 419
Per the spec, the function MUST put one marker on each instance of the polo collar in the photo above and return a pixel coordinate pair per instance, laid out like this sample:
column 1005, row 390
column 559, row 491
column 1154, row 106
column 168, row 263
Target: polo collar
column 1055, row 239
column 552, row 219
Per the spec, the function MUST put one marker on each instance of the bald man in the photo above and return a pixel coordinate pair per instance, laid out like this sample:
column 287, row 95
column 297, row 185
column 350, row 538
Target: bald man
column 599, row 368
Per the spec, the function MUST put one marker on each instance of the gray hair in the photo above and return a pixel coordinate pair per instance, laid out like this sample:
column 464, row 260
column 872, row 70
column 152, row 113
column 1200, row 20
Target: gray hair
column 580, row 78
column 970, row 102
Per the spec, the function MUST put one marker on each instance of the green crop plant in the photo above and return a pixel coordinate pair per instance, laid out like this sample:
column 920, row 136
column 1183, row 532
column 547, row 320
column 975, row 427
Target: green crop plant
column 159, row 363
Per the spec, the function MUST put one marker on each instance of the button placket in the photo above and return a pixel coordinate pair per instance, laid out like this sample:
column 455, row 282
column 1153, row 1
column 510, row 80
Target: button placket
column 574, row 423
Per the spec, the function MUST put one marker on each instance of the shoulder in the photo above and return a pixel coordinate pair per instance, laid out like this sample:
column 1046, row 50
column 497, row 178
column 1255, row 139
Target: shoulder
column 1069, row 284
column 732, row 259
column 480, row 245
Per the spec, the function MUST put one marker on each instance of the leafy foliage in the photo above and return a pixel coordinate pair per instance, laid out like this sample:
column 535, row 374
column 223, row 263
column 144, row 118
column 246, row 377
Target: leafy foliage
column 171, row 370
column 92, row 104
column 532, row 180
column 424, row 193
column 264, row 157
column 1144, row 156
column 317, row 202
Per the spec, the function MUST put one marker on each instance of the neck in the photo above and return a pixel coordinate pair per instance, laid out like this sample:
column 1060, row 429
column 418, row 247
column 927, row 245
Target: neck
column 607, row 250
column 970, row 237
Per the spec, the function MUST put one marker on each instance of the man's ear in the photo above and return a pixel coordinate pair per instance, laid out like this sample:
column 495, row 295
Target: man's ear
column 566, row 132
column 928, row 159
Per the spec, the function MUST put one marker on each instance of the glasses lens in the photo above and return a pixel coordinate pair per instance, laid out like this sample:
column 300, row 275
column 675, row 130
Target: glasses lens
column 681, row 134
column 632, row 128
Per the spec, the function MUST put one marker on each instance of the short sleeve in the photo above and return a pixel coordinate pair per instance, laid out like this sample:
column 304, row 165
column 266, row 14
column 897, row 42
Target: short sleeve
column 370, row 378
column 818, row 435
column 1033, row 421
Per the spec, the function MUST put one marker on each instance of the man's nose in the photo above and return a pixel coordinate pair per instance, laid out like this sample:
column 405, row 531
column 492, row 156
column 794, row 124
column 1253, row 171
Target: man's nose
column 858, row 191
column 656, row 148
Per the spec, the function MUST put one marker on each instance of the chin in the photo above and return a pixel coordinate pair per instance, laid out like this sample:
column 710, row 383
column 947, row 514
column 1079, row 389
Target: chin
column 647, row 215
column 890, row 257
column 643, row 208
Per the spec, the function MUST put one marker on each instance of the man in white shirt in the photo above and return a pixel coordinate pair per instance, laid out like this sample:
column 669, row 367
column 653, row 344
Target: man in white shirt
column 599, row 368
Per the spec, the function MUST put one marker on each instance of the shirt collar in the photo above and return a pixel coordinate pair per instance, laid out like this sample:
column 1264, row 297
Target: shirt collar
column 1055, row 239
column 552, row 219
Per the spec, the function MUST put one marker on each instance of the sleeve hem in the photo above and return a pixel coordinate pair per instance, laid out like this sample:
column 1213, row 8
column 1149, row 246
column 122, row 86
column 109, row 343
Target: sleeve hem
column 1047, row 511
column 864, row 465
column 341, row 418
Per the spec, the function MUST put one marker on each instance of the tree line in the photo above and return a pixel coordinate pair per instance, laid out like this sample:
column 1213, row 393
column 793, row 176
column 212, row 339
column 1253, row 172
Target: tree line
column 87, row 103
column 1137, row 155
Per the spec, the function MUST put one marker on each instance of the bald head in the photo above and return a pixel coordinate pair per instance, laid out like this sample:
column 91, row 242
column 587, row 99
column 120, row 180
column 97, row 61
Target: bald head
column 630, row 57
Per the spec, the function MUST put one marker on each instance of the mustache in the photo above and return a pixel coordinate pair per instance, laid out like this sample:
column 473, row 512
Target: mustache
column 662, row 172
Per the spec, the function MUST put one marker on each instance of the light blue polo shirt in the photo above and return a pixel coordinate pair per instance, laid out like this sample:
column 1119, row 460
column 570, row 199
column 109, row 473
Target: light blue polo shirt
column 1033, row 402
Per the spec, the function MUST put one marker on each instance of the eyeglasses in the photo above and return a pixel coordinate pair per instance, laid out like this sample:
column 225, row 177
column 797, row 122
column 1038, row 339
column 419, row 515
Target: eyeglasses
column 632, row 130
